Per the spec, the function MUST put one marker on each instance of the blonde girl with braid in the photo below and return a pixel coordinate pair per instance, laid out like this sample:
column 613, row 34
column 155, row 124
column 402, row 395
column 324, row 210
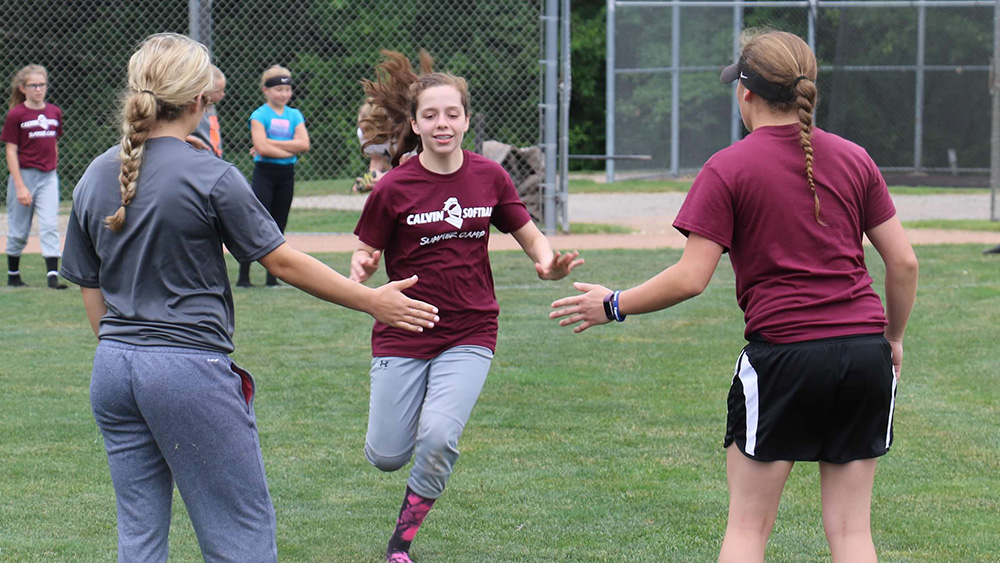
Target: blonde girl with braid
column 792, row 205
column 145, row 243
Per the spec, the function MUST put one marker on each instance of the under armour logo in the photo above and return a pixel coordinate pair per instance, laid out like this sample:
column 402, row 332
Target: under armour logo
column 382, row 364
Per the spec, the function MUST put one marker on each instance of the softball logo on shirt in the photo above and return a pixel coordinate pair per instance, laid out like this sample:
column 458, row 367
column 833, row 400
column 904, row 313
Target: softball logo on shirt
column 43, row 122
column 455, row 215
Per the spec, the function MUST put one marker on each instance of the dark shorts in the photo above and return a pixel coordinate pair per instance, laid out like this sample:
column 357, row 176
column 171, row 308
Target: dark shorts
column 820, row 400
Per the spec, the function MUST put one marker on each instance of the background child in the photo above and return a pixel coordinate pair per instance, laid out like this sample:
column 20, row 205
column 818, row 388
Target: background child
column 145, row 243
column 279, row 135
column 31, row 131
column 208, row 135
column 817, row 381
column 431, row 216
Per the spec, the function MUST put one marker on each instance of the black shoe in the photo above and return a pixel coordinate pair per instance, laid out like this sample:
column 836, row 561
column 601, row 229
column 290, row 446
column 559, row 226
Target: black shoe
column 15, row 281
column 54, row 283
column 994, row 250
column 244, row 283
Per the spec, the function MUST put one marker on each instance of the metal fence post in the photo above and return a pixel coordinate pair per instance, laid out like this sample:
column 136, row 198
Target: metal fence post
column 675, row 92
column 995, row 133
column 736, row 122
column 550, row 104
column 918, row 117
column 609, row 93
column 567, row 89
column 200, row 22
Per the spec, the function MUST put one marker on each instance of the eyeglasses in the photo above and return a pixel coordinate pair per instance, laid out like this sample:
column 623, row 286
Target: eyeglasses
column 38, row 86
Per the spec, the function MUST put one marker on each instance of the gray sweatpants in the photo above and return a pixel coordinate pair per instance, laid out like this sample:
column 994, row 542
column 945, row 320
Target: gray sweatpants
column 419, row 408
column 186, row 416
column 44, row 188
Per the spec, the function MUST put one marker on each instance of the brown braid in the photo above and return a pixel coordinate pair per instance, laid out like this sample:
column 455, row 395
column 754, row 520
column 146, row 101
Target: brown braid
column 805, row 95
column 784, row 58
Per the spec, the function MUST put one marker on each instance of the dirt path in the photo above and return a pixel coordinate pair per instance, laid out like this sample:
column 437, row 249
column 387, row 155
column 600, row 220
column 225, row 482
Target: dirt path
column 649, row 214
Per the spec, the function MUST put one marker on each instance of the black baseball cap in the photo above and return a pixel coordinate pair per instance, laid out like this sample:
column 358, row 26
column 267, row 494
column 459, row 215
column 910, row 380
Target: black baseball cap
column 755, row 82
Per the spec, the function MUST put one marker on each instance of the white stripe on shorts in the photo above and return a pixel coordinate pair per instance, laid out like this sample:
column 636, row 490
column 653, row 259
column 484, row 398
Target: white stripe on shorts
column 751, row 398
column 892, row 407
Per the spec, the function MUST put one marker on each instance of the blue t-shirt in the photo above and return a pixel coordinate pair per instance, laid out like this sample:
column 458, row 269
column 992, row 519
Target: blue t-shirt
column 278, row 127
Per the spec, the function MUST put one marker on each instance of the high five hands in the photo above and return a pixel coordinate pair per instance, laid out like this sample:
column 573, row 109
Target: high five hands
column 559, row 266
column 586, row 309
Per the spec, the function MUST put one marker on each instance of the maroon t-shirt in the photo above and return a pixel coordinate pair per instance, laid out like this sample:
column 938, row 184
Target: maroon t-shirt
column 35, row 132
column 795, row 279
column 437, row 226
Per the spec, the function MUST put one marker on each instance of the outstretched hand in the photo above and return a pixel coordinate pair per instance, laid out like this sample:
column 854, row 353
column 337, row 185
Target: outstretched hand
column 393, row 308
column 586, row 309
column 559, row 266
column 363, row 265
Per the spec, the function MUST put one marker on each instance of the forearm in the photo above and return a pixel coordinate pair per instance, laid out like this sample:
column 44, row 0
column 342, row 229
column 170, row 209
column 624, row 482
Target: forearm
column 14, row 166
column 93, row 303
column 294, row 146
column 317, row 279
column 900, row 295
column 269, row 149
column 666, row 289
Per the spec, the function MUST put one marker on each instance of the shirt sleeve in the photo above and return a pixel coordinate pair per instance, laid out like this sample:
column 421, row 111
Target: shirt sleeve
column 510, row 213
column 708, row 209
column 9, row 132
column 60, row 129
column 378, row 219
column 80, row 262
column 248, row 230
column 878, row 204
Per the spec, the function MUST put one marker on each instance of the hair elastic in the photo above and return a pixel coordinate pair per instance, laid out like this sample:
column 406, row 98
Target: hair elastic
column 796, row 82
column 150, row 92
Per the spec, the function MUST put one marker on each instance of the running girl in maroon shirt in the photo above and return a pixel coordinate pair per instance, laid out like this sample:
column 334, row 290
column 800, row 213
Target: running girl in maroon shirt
column 792, row 204
column 431, row 215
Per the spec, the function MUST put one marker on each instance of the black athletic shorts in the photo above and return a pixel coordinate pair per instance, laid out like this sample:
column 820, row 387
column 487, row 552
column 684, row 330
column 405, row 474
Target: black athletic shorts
column 820, row 400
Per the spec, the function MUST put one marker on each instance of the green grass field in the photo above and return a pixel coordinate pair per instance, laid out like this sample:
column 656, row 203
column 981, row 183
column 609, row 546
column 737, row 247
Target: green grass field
column 604, row 446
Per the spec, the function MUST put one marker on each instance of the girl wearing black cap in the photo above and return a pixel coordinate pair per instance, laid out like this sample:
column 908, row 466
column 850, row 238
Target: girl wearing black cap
column 279, row 135
column 816, row 382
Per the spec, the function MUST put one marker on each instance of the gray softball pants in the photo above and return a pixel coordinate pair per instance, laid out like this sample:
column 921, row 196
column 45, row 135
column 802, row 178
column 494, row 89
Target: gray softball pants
column 44, row 188
column 186, row 416
column 419, row 408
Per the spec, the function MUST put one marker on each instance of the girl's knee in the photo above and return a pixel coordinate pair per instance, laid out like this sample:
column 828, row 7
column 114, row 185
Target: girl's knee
column 387, row 463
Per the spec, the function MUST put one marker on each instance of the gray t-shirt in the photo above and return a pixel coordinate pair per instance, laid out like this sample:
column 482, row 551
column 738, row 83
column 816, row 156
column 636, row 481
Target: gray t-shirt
column 164, row 275
column 204, row 130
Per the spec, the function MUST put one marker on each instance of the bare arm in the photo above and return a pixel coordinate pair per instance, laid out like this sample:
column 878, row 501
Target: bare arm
column 364, row 262
column 549, row 265
column 263, row 145
column 901, row 272
column 680, row 282
column 196, row 143
column 386, row 303
column 23, row 195
column 93, row 303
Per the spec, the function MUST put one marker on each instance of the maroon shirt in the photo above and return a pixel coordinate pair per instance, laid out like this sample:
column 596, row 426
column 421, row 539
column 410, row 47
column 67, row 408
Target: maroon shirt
column 437, row 226
column 35, row 132
column 795, row 279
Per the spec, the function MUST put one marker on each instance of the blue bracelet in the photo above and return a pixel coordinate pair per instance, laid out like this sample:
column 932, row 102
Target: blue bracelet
column 614, row 307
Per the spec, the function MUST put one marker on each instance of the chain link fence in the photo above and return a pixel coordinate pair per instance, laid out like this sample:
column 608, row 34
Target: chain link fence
column 909, row 81
column 329, row 45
